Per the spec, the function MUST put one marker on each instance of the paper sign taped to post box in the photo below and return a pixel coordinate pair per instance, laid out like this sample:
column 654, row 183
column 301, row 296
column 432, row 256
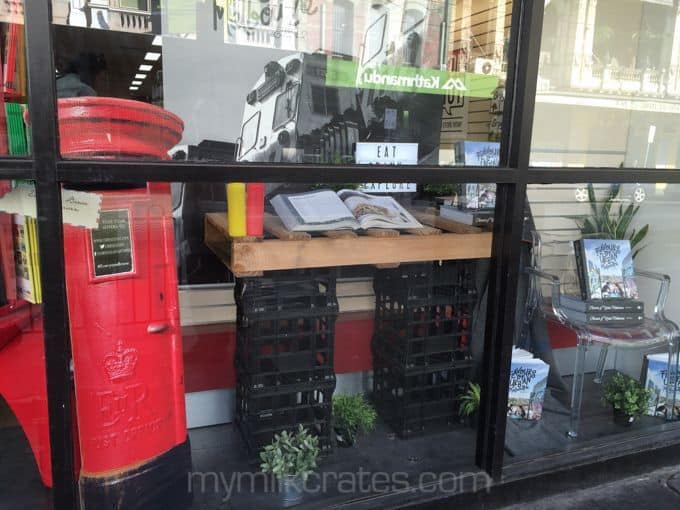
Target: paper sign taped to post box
column 79, row 208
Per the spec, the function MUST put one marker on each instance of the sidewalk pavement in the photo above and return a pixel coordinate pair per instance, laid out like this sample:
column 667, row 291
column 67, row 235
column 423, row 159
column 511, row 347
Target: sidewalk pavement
column 658, row 490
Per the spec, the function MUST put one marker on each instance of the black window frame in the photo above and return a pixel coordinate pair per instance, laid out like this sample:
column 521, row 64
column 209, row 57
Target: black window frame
column 49, row 171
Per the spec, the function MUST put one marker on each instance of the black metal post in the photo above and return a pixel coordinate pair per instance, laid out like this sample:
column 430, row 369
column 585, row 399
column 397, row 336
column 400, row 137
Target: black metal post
column 42, row 107
column 525, row 45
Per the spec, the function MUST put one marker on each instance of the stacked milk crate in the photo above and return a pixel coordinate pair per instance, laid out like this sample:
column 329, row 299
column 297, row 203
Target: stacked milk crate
column 421, row 345
column 284, row 354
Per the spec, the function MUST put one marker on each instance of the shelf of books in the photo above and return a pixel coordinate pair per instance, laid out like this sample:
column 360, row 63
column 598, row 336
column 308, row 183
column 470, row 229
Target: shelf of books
column 281, row 248
column 19, row 268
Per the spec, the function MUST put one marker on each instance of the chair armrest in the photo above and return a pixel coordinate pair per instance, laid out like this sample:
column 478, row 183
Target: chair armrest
column 664, row 287
column 555, row 290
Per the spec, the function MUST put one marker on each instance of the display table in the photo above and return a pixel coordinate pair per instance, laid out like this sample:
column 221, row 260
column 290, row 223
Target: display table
column 287, row 306
column 439, row 239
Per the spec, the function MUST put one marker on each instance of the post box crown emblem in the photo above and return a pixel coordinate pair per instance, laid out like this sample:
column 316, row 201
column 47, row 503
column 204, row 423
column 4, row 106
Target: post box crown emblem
column 121, row 363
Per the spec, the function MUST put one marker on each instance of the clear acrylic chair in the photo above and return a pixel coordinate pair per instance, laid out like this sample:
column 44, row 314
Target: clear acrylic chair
column 553, row 273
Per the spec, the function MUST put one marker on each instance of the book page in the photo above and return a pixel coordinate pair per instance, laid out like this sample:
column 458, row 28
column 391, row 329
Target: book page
column 319, row 207
column 380, row 212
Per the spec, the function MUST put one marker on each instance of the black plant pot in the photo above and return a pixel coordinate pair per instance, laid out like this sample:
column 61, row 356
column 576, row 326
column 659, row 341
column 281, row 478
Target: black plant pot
column 343, row 438
column 622, row 419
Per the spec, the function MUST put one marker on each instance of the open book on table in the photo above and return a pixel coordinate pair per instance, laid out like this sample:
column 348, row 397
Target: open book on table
column 346, row 209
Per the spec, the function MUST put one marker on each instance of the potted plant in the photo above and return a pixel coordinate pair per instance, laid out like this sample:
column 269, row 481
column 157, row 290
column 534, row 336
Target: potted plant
column 607, row 219
column 628, row 398
column 469, row 403
column 291, row 458
column 351, row 414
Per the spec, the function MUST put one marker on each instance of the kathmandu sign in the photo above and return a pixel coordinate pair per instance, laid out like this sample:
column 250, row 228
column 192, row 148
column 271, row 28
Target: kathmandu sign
column 346, row 73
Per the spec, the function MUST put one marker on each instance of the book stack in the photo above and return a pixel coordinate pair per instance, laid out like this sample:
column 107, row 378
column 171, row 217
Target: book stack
column 14, row 63
column 26, row 259
column 475, row 206
column 620, row 312
column 472, row 217
column 528, row 381
column 16, row 129
column 609, row 294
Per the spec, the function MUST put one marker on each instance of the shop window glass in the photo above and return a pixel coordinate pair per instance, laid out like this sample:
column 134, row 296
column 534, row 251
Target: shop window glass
column 421, row 72
column 286, row 104
column 139, row 5
column 249, row 134
column 596, row 356
column 375, row 39
column 205, row 336
column 343, row 20
column 26, row 471
column 608, row 85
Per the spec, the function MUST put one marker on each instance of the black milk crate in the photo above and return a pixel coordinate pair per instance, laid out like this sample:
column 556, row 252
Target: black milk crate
column 263, row 412
column 424, row 312
column 285, row 291
column 419, row 400
column 441, row 351
column 288, row 347
column 286, row 327
column 429, row 283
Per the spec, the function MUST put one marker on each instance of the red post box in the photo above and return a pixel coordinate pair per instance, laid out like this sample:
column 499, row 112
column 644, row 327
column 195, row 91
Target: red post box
column 127, row 353
column 124, row 320
column 121, row 283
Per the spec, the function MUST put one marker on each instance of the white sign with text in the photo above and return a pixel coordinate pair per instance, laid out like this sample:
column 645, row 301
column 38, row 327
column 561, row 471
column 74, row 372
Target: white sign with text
column 387, row 153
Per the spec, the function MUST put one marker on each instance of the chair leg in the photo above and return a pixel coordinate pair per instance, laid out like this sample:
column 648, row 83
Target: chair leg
column 577, row 387
column 601, row 361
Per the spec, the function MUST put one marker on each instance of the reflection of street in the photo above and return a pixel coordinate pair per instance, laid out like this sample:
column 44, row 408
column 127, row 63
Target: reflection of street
column 613, row 69
column 105, row 15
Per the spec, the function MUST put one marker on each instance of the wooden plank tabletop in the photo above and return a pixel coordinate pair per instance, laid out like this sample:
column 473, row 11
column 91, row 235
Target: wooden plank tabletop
column 251, row 257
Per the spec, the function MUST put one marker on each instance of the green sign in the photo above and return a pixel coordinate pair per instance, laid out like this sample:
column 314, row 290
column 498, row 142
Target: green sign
column 346, row 73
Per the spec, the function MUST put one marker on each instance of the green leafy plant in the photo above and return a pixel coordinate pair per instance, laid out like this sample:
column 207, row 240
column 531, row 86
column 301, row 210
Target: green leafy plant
column 613, row 221
column 440, row 190
column 469, row 402
column 335, row 187
column 352, row 413
column 291, row 454
column 626, row 395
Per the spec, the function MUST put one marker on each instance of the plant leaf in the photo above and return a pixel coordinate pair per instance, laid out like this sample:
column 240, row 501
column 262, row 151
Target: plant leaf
column 639, row 236
column 624, row 221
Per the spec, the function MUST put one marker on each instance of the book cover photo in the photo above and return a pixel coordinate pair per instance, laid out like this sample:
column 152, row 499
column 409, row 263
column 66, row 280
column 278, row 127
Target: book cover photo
column 655, row 375
column 528, row 382
column 606, row 269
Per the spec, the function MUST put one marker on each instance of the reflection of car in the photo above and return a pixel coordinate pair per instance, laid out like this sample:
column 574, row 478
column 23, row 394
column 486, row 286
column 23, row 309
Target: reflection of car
column 633, row 193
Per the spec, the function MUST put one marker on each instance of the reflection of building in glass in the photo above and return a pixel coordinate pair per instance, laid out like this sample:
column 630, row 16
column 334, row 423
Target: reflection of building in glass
column 609, row 84
column 476, row 43
column 344, row 28
column 120, row 15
